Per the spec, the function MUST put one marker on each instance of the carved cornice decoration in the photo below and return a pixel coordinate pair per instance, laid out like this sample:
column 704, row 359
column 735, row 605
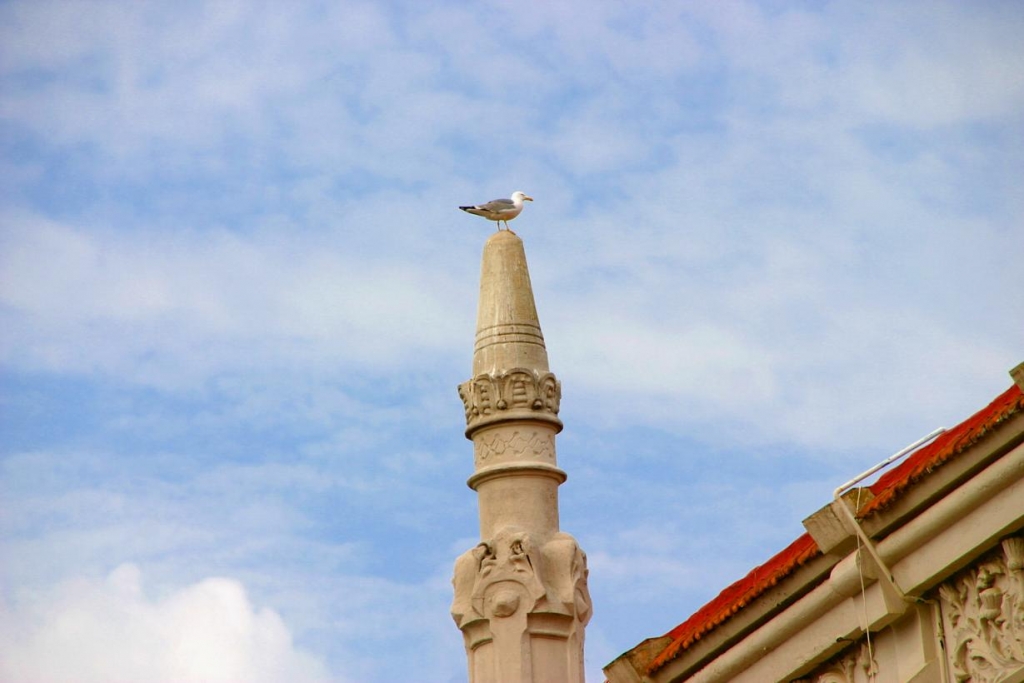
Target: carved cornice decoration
column 983, row 617
column 517, row 393
column 852, row 665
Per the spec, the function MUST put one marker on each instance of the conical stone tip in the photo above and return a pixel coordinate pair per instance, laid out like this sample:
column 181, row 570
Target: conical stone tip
column 508, row 334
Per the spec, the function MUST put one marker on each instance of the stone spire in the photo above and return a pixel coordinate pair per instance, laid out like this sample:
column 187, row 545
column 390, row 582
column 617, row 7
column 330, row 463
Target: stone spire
column 521, row 597
column 507, row 328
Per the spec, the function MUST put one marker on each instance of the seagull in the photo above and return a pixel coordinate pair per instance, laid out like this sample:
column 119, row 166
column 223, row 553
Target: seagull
column 501, row 210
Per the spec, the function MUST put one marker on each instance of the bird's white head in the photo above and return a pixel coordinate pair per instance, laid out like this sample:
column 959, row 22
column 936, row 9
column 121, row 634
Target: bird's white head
column 521, row 196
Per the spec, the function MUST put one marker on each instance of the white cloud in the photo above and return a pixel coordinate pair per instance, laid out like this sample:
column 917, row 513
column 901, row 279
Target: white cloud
column 184, row 516
column 171, row 310
column 956, row 66
column 110, row 631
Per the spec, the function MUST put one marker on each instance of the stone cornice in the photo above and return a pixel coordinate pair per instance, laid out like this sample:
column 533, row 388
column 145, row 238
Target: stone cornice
column 516, row 394
column 532, row 469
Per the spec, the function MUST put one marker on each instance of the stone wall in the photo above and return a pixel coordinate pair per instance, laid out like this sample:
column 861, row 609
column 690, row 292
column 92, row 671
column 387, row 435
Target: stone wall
column 968, row 630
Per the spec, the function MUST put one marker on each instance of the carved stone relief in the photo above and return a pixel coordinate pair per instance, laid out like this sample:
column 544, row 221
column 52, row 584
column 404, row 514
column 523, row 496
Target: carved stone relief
column 852, row 665
column 509, row 572
column 517, row 444
column 566, row 552
column 520, row 389
column 983, row 616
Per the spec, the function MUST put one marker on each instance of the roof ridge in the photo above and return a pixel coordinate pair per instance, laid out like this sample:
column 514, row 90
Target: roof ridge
column 940, row 451
column 737, row 596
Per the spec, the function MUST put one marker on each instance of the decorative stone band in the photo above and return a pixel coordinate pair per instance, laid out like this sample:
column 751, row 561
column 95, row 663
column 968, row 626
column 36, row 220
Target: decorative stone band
column 510, row 469
column 513, row 443
column 517, row 394
column 509, row 333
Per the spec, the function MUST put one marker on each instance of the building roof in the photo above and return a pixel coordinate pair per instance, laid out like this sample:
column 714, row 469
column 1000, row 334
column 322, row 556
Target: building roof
column 949, row 444
column 889, row 488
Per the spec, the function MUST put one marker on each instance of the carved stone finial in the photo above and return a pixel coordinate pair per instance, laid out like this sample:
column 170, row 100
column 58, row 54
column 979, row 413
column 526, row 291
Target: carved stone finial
column 521, row 598
column 508, row 332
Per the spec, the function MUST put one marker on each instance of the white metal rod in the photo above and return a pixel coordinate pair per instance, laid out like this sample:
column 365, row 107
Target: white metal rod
column 852, row 518
column 896, row 456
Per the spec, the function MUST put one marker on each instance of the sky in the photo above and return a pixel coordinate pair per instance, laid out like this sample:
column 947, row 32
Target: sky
column 771, row 244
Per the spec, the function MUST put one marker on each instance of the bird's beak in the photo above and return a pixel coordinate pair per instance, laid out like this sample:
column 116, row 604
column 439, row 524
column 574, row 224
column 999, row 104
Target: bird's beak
column 527, row 199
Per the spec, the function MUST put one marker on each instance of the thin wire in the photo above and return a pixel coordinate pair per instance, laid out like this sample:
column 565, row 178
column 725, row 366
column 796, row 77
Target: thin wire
column 864, row 602
column 863, row 541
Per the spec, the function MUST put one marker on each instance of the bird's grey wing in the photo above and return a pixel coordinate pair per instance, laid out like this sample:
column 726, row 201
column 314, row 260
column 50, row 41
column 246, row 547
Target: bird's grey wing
column 498, row 205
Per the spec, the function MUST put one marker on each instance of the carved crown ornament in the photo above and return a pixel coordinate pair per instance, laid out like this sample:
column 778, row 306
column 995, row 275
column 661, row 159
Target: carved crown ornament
column 519, row 393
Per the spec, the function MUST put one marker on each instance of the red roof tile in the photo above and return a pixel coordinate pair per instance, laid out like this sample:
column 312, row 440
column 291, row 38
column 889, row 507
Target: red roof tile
column 736, row 597
column 887, row 489
column 948, row 444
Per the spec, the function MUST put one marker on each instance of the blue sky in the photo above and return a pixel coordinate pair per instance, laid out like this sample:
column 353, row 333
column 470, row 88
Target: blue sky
column 772, row 243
